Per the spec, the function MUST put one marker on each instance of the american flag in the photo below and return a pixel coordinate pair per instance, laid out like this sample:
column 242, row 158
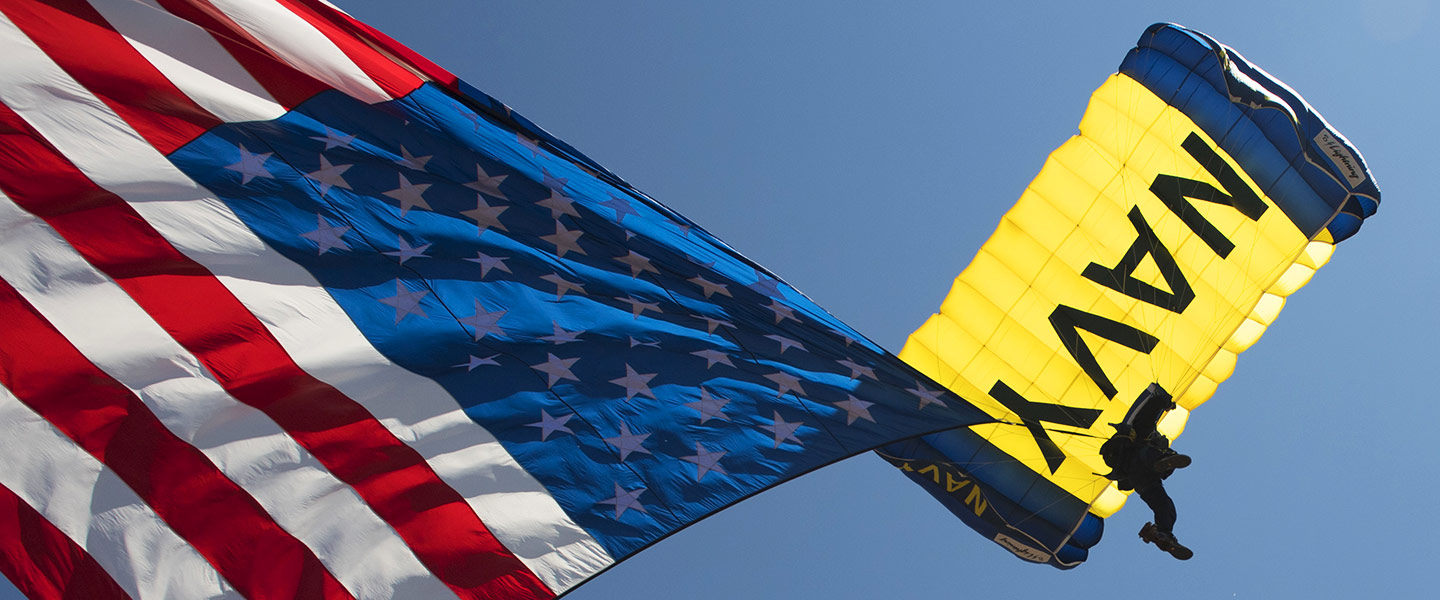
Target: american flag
column 290, row 311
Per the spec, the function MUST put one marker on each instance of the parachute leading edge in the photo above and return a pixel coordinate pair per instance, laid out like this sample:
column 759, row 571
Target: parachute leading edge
column 1151, row 249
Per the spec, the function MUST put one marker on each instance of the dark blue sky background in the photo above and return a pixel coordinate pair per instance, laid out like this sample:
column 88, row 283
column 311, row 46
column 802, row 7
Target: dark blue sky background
column 864, row 152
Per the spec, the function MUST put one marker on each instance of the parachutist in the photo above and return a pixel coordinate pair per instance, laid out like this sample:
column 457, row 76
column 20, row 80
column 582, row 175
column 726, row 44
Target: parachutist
column 1140, row 458
column 1141, row 463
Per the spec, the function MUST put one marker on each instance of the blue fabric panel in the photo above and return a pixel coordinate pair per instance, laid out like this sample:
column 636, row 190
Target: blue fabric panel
column 1266, row 127
column 1063, row 545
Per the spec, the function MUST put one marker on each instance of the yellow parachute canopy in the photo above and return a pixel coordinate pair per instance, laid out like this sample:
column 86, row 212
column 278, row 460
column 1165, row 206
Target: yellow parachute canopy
column 1151, row 250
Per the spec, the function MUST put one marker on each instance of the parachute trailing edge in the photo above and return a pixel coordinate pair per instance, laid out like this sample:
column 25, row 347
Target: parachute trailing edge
column 1151, row 249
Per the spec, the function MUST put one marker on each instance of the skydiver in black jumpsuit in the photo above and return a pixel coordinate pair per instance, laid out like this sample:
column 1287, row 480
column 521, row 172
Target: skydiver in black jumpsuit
column 1140, row 458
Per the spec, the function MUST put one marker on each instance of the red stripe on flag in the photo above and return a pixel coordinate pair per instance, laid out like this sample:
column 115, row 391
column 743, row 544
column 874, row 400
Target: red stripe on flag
column 378, row 40
column 395, row 78
column 199, row 503
column 397, row 483
column 84, row 44
column 43, row 562
column 286, row 84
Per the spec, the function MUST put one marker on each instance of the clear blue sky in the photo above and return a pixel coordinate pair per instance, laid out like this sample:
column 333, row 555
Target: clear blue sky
column 865, row 153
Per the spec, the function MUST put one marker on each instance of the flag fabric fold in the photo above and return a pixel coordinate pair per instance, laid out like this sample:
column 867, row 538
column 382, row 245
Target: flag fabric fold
column 292, row 312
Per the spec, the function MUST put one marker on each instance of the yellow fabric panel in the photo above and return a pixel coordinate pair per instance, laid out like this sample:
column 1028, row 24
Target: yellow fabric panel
column 1222, row 366
column 1174, row 422
column 996, row 324
column 1317, row 254
column 1267, row 309
column 1245, row 336
column 1200, row 390
column 940, row 343
column 1294, row 278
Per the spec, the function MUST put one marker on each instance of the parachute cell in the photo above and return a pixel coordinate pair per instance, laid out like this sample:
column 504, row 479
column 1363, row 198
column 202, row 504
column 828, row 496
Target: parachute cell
column 1150, row 250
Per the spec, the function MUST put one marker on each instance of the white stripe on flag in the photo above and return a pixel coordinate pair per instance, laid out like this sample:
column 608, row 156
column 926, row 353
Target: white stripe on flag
column 307, row 322
column 117, row 336
column 91, row 505
column 325, row 343
column 191, row 59
column 337, row 9
column 304, row 47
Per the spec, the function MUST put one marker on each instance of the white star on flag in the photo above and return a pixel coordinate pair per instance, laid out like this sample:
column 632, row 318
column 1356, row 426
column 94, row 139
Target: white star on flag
column 467, row 114
column 706, row 460
column 635, row 383
column 559, row 204
column 621, row 207
column 561, row 335
column 766, row 285
column 638, row 264
column 856, row 370
column 565, row 240
column 476, row 361
column 557, row 369
column 334, row 139
column 409, row 195
column 485, row 184
column 926, row 395
column 488, row 262
column 713, row 356
column 785, row 343
column 785, row 382
column 709, row 407
column 406, row 252
column 251, row 165
column 855, row 408
column 484, row 322
column 410, row 161
column 329, row 176
column 628, row 442
column 327, row 236
column 638, row 306
column 406, row 302
column 710, row 288
column 563, row 285
column 634, row 341
column 712, row 324
column 781, row 311
column 529, row 144
column 625, row 500
column 485, row 216
column 783, row 430
column 550, row 181
column 549, row 424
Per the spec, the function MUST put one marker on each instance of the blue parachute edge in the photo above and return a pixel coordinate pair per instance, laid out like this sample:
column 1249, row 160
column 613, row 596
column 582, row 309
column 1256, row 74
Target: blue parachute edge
column 1311, row 171
column 1045, row 525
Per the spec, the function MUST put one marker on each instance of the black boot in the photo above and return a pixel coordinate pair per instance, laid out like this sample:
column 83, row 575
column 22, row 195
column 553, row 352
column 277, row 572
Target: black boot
column 1170, row 462
column 1165, row 541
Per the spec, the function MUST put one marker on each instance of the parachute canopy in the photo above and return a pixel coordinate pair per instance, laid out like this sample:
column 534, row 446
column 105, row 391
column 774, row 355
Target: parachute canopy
column 1152, row 248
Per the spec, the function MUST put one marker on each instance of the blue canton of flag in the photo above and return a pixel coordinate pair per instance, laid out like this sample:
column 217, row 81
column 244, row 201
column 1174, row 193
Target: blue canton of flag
column 643, row 371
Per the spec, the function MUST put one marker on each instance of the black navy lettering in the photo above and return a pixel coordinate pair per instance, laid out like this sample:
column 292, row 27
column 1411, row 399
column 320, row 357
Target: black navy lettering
column 1176, row 193
column 1033, row 413
column 1121, row 279
column 1174, row 190
column 1068, row 321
